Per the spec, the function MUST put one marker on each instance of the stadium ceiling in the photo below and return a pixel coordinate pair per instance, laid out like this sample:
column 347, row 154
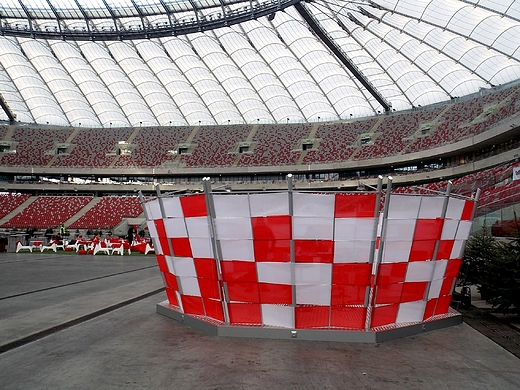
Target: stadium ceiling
column 113, row 63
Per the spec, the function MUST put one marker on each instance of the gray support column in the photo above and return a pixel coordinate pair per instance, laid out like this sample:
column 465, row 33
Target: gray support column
column 217, row 251
column 170, row 247
column 291, row 214
column 379, row 258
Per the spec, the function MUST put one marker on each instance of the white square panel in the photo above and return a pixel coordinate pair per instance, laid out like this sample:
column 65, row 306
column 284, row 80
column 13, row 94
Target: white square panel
column 313, row 228
column 184, row 266
column 175, row 227
column 399, row 230
column 463, row 230
column 313, row 205
column 352, row 251
column 153, row 210
column 404, row 207
column 279, row 273
column 312, row 273
column 231, row 205
column 396, row 251
column 172, row 207
column 197, row 227
column 419, row 271
column 157, row 246
column 411, row 312
column 278, row 315
column 237, row 250
column 170, row 264
column 189, row 285
column 458, row 249
column 449, row 229
column 233, row 228
column 435, row 288
column 313, row 294
column 359, row 229
column 431, row 207
column 455, row 208
column 151, row 229
column 268, row 204
column 440, row 269
column 201, row 247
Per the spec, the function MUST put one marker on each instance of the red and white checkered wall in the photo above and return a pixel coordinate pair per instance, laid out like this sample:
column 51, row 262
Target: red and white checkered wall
column 327, row 262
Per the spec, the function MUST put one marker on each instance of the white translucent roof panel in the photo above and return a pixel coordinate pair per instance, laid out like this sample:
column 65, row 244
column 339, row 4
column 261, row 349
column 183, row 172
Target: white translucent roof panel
column 409, row 52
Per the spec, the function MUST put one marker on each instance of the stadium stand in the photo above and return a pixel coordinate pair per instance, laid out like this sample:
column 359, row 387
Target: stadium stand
column 47, row 211
column 10, row 201
column 108, row 212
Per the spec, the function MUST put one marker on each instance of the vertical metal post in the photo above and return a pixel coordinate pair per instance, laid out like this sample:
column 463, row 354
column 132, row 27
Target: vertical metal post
column 217, row 250
column 291, row 244
column 170, row 247
column 377, row 261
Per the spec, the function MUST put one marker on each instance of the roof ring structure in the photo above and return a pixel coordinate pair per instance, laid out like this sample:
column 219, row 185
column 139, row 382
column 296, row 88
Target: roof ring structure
column 79, row 20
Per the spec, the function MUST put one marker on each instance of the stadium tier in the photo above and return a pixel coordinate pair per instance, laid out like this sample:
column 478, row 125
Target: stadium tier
column 240, row 147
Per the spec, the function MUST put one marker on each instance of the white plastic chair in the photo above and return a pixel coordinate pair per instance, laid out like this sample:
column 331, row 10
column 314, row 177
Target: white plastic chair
column 101, row 248
column 20, row 247
column 48, row 247
column 149, row 248
column 117, row 248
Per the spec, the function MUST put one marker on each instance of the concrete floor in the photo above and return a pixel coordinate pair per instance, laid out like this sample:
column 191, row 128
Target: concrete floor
column 85, row 322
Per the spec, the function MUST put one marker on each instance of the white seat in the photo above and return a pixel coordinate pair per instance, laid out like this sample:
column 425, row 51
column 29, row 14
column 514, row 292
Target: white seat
column 74, row 246
column 100, row 248
column 48, row 247
column 117, row 248
column 20, row 247
column 149, row 248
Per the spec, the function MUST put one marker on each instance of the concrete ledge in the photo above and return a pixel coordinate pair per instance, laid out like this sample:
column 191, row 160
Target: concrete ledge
column 215, row 328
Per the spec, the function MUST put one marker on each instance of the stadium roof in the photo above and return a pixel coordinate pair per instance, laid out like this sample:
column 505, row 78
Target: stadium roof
column 111, row 63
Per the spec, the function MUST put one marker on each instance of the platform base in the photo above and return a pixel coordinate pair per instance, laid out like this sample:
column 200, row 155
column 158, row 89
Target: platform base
column 347, row 336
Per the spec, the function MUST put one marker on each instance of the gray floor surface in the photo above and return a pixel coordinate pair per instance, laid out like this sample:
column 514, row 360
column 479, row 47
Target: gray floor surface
column 89, row 322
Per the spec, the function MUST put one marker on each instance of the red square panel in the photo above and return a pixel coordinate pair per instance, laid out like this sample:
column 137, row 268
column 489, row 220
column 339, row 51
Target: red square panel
column 311, row 316
column 384, row 315
column 275, row 293
column 430, row 308
column 272, row 228
column 445, row 247
column 443, row 305
column 244, row 313
column 192, row 305
column 447, row 286
column 239, row 271
column 347, row 295
column 206, row 268
column 161, row 262
column 161, row 234
column 428, row 229
column 171, row 281
column 194, row 206
column 467, row 212
column 181, row 247
column 351, row 273
column 314, row 251
column 272, row 250
column 355, row 206
column 213, row 309
column 453, row 268
column 172, row 297
column 209, row 288
column 389, row 293
column 413, row 291
column 422, row 250
column 348, row 317
column 243, row 292
column 391, row 273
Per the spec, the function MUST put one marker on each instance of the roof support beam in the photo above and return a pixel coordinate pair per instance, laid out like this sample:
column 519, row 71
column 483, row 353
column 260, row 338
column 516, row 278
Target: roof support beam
column 341, row 56
column 7, row 109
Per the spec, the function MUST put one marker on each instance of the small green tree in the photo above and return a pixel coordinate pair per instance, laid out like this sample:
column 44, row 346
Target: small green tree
column 500, row 278
column 481, row 249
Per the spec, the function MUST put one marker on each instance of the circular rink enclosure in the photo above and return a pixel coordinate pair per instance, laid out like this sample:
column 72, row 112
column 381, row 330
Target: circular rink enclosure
column 362, row 266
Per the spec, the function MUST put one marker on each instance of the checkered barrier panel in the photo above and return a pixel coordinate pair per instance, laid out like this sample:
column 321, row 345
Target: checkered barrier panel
column 309, row 260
